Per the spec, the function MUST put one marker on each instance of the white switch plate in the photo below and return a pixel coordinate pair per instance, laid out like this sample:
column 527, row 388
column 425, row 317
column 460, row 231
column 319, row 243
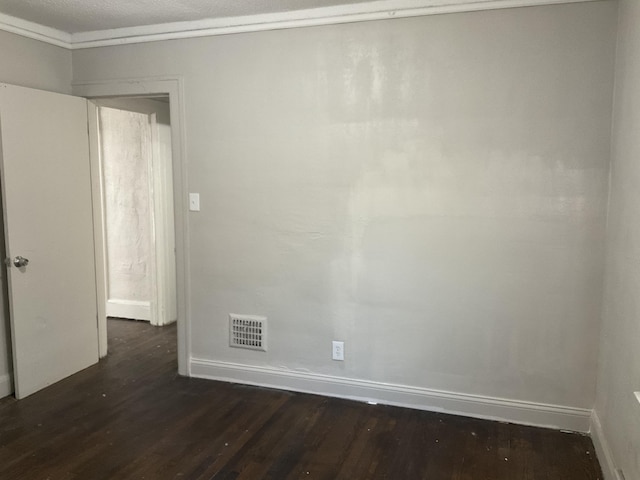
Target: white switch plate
column 194, row 202
column 338, row 350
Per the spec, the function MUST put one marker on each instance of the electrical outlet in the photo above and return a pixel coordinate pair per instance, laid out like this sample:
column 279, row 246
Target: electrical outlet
column 338, row 350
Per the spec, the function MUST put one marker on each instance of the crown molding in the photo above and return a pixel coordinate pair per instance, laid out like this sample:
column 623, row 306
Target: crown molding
column 350, row 13
column 35, row 31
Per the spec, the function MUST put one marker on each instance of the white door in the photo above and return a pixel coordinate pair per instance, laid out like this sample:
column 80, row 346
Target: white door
column 46, row 190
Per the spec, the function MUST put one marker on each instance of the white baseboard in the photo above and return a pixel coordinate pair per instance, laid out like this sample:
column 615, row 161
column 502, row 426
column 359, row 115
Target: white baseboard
column 132, row 309
column 603, row 451
column 6, row 385
column 514, row 411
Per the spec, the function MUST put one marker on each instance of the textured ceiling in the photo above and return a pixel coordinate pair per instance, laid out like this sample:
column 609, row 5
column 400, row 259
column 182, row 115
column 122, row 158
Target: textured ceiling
column 74, row 16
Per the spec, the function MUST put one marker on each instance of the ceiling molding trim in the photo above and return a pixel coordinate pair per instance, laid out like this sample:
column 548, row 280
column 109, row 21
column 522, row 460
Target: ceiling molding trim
column 35, row 31
column 375, row 10
column 361, row 12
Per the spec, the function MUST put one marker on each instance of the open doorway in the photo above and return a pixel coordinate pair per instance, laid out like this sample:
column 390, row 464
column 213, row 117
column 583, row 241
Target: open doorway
column 96, row 91
column 133, row 136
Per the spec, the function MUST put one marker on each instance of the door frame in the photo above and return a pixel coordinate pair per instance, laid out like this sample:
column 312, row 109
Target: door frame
column 174, row 88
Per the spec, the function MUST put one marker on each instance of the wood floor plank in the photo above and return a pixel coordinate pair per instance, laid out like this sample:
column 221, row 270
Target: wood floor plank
column 132, row 417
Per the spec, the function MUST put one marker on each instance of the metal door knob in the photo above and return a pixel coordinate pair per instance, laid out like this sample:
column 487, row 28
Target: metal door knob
column 20, row 261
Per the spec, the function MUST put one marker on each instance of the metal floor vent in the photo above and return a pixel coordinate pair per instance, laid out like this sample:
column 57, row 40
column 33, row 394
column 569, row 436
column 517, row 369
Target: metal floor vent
column 248, row 331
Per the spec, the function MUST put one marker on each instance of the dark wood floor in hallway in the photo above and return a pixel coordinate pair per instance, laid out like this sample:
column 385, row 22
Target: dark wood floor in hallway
column 132, row 417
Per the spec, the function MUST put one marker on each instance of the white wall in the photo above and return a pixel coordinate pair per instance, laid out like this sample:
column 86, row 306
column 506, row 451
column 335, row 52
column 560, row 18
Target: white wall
column 619, row 370
column 126, row 152
column 430, row 190
column 33, row 64
column 30, row 63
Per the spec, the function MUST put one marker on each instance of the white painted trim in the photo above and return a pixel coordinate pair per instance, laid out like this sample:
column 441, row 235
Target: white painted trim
column 603, row 451
column 161, row 195
column 99, row 228
column 174, row 87
column 349, row 13
column 515, row 411
column 6, row 385
column 35, row 31
column 153, row 244
column 136, row 310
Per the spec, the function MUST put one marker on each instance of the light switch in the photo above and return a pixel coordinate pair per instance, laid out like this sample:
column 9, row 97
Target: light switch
column 194, row 202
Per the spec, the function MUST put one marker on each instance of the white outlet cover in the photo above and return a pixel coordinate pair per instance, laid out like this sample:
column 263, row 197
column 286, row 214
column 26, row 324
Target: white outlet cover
column 337, row 350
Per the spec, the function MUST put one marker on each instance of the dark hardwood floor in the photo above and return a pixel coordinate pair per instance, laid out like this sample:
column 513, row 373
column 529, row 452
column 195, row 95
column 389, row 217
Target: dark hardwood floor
column 132, row 417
